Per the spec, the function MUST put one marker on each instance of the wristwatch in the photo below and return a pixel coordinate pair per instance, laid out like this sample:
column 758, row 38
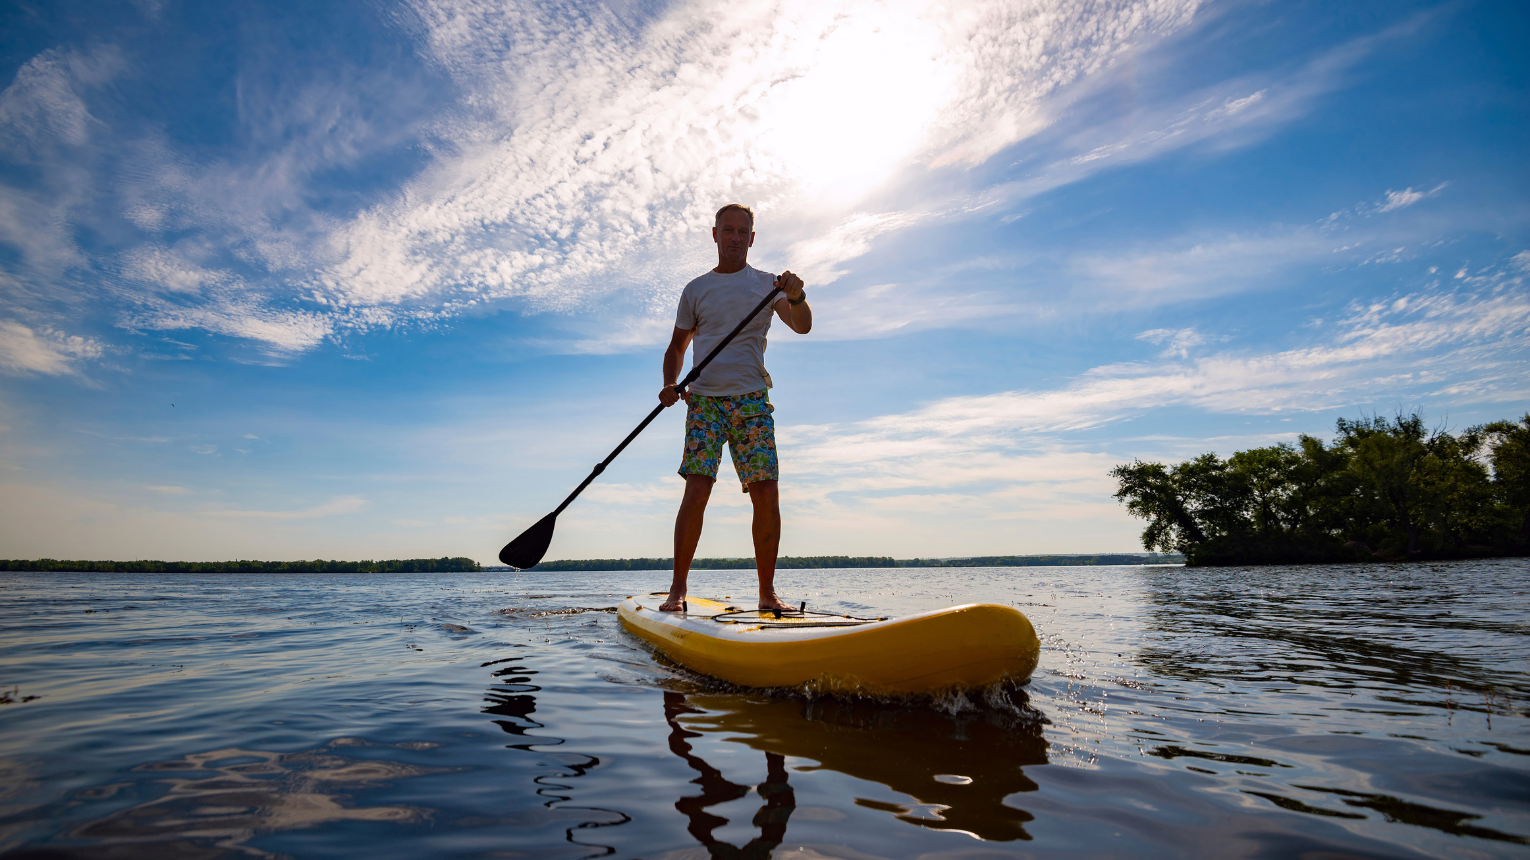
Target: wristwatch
column 798, row 300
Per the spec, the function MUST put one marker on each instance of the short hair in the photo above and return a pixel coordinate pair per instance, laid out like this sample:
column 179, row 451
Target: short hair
column 735, row 207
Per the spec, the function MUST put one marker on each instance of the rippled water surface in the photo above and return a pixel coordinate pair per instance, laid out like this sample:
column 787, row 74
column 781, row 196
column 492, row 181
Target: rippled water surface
column 1362, row 711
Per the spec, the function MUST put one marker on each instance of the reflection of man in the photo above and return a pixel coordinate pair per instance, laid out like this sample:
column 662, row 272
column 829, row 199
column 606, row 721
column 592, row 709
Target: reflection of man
column 728, row 402
column 779, row 798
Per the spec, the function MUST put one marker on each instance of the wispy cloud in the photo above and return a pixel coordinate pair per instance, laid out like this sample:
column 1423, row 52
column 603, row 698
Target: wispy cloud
column 1205, row 264
column 802, row 107
column 1098, row 138
column 1177, row 343
column 47, row 351
column 336, row 506
column 587, row 149
column 1406, row 197
column 1199, row 267
column 281, row 330
column 1462, row 346
column 1223, row 115
column 44, row 130
column 816, row 258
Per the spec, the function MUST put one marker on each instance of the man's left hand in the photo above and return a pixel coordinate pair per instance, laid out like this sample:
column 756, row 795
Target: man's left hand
column 790, row 284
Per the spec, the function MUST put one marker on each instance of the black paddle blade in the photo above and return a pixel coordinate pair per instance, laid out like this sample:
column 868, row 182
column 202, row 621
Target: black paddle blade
column 528, row 549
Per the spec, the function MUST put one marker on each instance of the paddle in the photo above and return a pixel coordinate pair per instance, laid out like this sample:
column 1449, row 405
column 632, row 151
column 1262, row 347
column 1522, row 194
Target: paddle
column 525, row 551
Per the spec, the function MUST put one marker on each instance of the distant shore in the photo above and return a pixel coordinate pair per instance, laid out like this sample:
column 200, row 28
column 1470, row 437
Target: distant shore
column 848, row 561
column 394, row 565
column 460, row 564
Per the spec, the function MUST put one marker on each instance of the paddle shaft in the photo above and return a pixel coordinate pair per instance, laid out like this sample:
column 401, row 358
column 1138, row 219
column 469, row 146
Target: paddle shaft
column 679, row 387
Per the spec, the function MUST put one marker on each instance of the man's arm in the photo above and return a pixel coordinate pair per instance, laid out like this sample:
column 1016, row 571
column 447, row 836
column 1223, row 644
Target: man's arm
column 798, row 316
column 674, row 360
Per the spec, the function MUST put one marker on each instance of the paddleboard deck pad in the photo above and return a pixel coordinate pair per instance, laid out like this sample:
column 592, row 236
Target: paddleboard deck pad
column 972, row 645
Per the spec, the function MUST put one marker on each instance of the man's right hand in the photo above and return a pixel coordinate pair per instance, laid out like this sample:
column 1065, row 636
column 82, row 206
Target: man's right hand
column 669, row 397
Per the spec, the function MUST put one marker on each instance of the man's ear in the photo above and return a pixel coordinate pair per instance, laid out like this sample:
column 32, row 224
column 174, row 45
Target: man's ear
column 751, row 238
column 714, row 237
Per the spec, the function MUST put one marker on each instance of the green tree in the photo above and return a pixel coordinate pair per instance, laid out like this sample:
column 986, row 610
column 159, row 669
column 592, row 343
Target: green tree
column 1457, row 493
column 1510, row 445
column 1152, row 493
column 1383, row 482
column 1266, row 479
column 1387, row 458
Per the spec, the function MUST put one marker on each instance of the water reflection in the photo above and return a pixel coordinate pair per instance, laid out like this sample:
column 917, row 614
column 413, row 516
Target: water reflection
column 959, row 770
column 715, row 789
column 511, row 699
column 1384, row 629
column 219, row 800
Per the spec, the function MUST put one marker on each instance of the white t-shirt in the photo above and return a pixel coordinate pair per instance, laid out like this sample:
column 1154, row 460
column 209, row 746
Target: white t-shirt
column 712, row 305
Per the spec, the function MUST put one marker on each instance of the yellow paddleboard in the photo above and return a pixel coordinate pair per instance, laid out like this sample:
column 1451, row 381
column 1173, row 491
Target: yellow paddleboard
column 963, row 646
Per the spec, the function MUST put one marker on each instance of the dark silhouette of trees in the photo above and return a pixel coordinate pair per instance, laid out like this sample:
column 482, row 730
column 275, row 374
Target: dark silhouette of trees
column 395, row 565
column 791, row 562
column 1384, row 488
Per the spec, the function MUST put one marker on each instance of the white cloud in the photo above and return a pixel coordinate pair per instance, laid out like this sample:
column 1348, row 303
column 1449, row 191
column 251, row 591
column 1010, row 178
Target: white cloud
column 1228, row 114
column 587, row 155
column 591, row 148
column 1417, row 346
column 1234, row 106
column 43, row 126
column 1406, row 197
column 184, row 294
column 338, row 505
column 27, row 350
column 162, row 269
column 40, row 108
column 1179, row 341
column 1202, row 265
column 283, row 331
column 57, row 518
column 1197, row 267
column 815, row 259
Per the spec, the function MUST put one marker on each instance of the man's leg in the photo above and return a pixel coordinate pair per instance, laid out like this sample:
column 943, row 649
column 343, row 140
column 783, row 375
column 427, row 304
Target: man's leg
column 767, row 539
column 693, row 508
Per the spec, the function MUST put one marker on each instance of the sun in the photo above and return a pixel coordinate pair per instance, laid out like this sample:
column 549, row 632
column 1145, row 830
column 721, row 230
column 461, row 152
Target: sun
column 860, row 108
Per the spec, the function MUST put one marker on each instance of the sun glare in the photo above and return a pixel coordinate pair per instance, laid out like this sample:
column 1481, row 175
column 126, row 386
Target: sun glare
column 861, row 110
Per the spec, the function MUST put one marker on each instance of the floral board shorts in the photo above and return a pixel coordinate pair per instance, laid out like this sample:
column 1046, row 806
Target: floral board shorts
column 741, row 420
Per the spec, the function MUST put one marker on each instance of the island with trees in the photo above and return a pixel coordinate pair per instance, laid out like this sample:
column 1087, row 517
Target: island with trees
column 1384, row 489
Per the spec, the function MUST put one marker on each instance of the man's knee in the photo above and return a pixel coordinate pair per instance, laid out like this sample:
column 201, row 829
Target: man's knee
column 763, row 492
column 698, row 487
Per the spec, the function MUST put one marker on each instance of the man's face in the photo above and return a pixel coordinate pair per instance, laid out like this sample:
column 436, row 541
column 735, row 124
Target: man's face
column 733, row 237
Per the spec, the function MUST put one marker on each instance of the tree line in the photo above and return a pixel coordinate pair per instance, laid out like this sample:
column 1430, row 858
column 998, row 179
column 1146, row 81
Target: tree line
column 1382, row 489
column 795, row 562
column 1045, row 560
column 395, row 565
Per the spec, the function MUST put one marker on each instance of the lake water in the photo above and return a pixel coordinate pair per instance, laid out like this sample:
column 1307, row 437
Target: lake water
column 1359, row 711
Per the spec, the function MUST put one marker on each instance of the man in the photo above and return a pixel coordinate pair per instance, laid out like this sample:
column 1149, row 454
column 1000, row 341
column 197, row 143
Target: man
column 728, row 402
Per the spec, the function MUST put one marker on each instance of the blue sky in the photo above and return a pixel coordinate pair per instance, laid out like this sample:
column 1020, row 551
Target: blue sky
column 406, row 270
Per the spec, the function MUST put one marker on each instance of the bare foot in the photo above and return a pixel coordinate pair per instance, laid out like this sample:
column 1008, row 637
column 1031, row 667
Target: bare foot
column 771, row 601
column 673, row 603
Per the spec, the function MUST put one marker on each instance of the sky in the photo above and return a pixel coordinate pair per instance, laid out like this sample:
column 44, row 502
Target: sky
column 386, row 279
